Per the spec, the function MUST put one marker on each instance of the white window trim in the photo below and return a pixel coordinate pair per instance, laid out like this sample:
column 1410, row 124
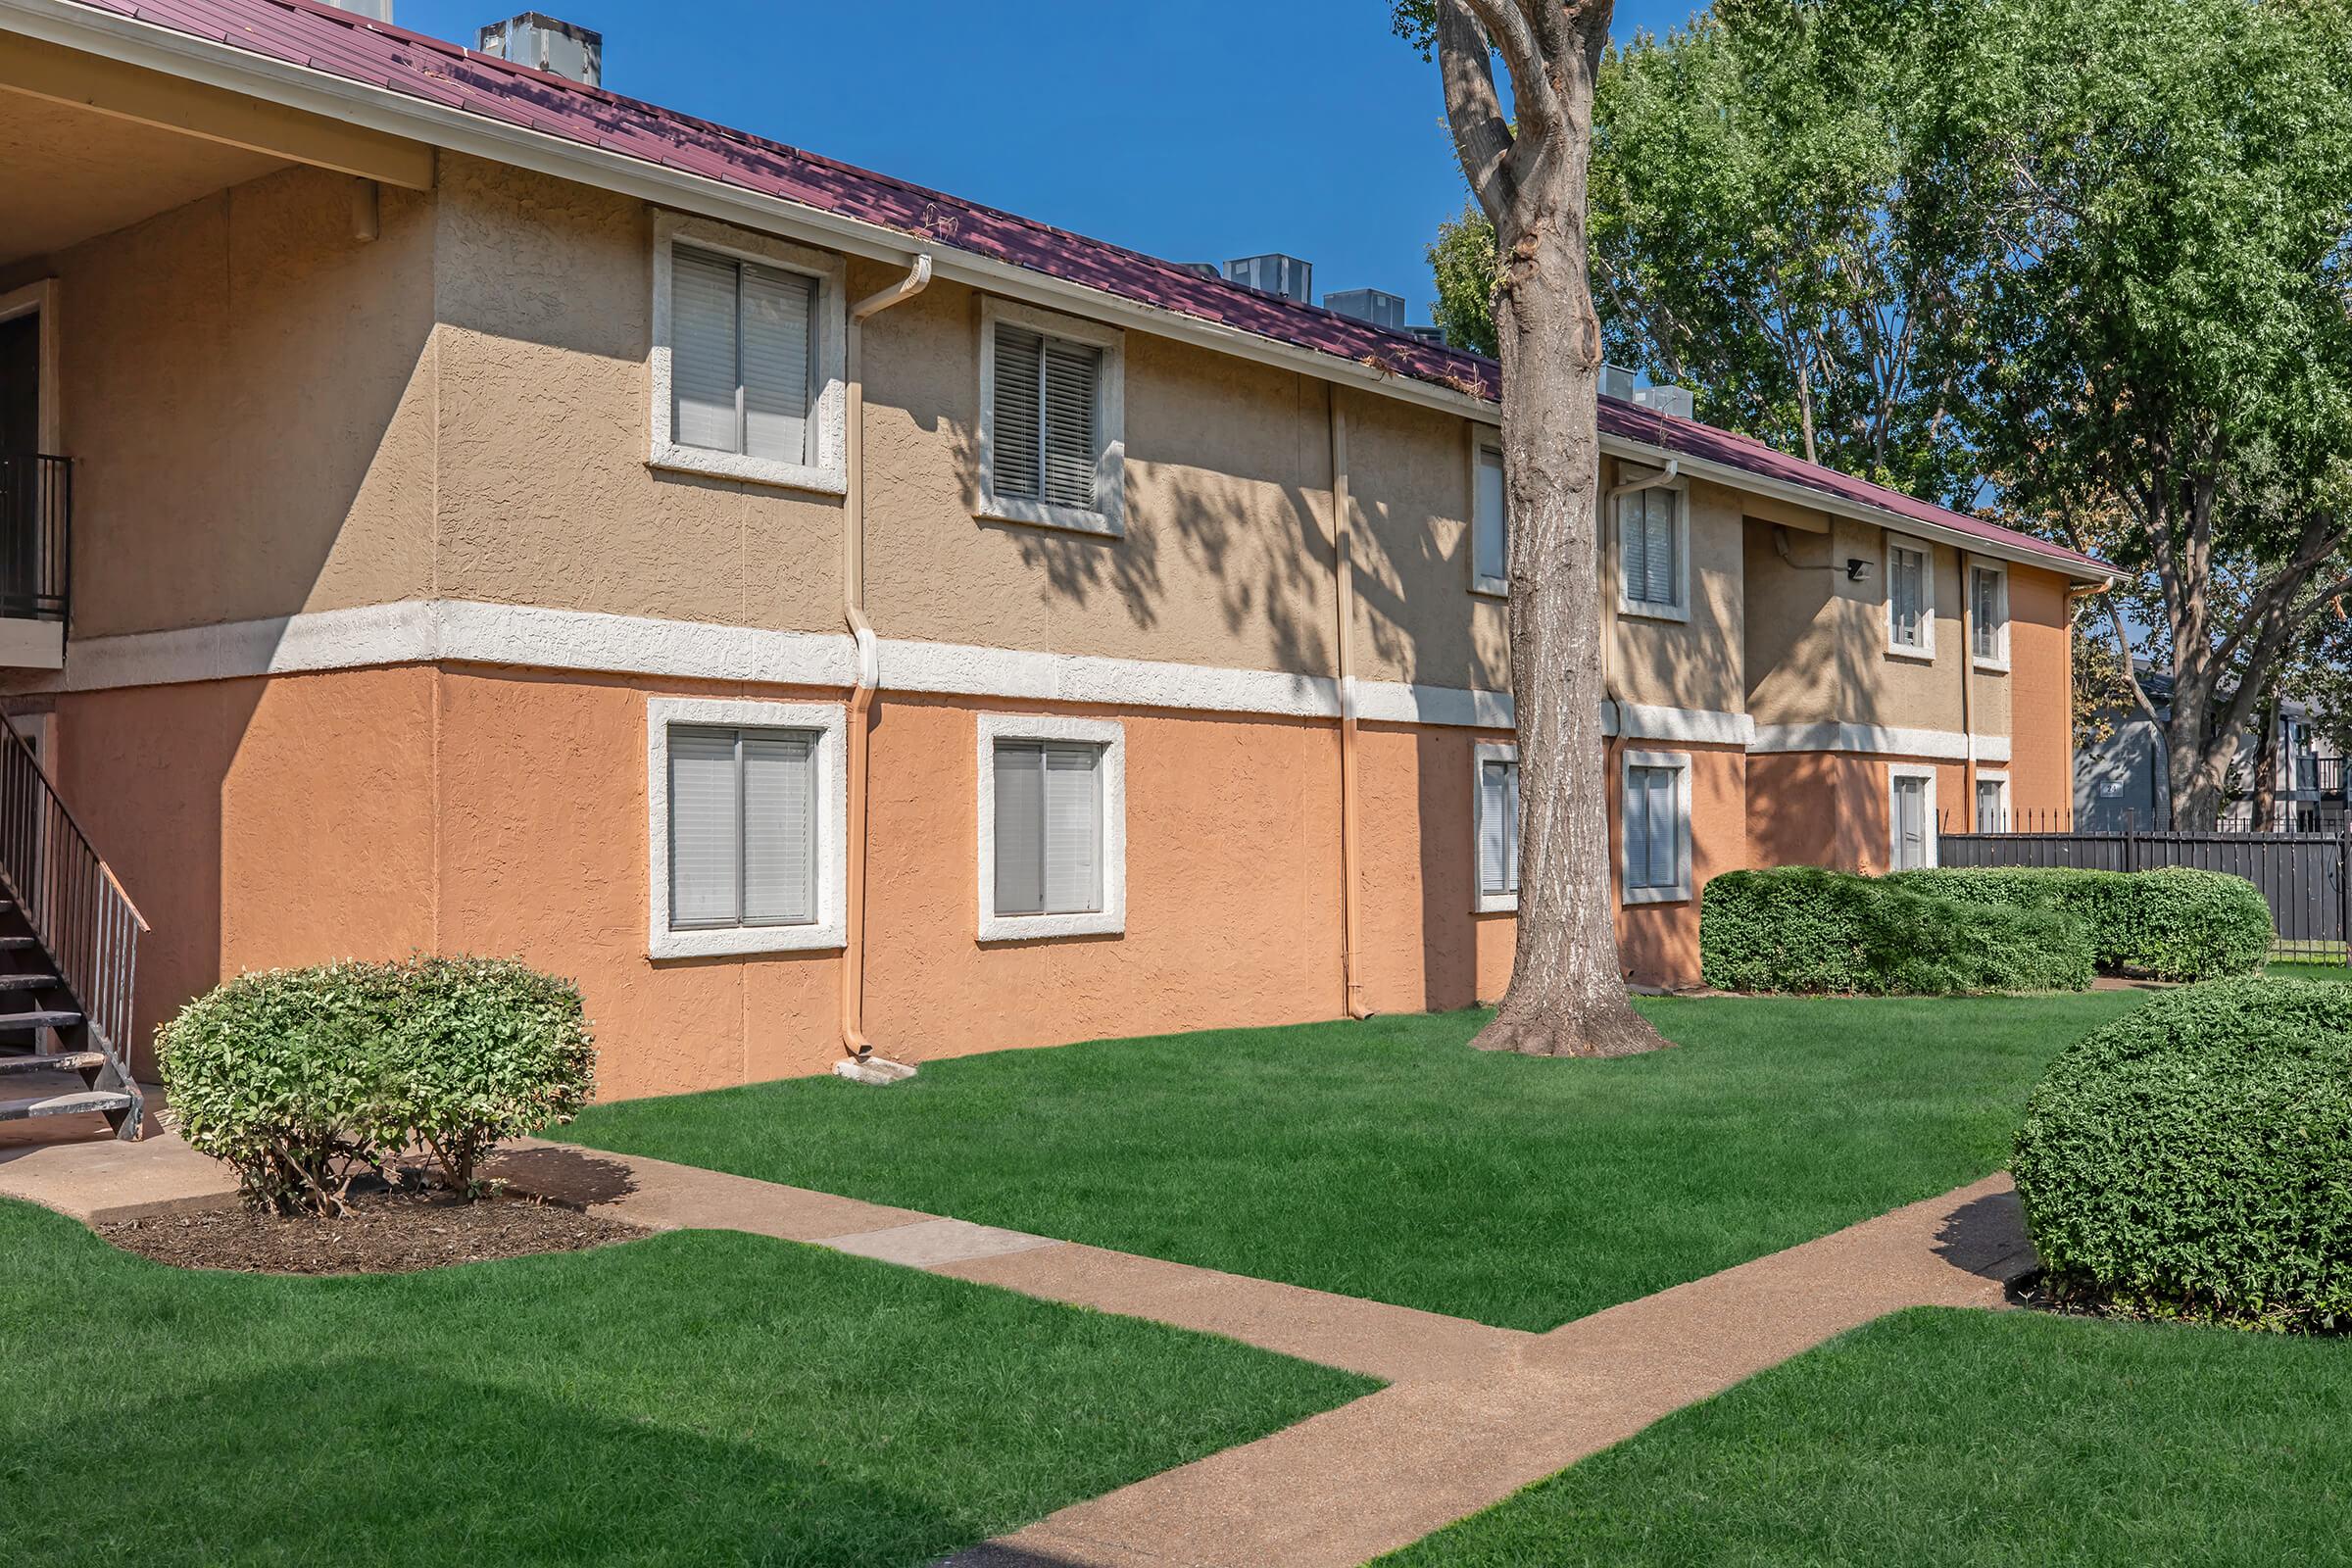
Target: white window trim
column 1925, row 652
column 1998, row 663
column 830, row 928
column 1990, row 776
column 1486, row 438
column 1111, row 736
column 1642, row 609
column 1680, row 891
column 1895, row 825
column 1481, row 753
column 1109, row 514
column 828, row 354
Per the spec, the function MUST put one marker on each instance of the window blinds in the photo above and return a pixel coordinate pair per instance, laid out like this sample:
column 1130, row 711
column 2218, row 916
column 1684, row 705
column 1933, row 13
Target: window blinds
column 1652, row 827
column 741, row 827
column 1498, row 827
column 1045, row 443
column 1647, row 546
column 1988, row 806
column 1986, row 612
column 1906, row 594
column 1910, row 823
column 1490, row 542
column 1048, row 828
column 739, row 360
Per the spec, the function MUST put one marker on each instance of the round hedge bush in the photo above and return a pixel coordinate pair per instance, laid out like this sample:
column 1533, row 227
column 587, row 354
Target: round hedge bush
column 2174, row 923
column 2194, row 1157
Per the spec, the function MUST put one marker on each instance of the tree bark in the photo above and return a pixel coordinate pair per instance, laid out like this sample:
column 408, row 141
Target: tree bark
column 1567, row 995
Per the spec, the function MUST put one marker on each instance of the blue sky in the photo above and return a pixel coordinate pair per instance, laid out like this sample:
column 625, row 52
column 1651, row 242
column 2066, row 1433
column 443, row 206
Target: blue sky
column 1312, row 132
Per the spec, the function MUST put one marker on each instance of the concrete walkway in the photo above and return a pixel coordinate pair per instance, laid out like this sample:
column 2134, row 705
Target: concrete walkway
column 1471, row 1413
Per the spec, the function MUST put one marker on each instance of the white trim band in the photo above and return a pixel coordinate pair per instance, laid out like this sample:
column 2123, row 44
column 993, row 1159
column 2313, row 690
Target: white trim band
column 1946, row 745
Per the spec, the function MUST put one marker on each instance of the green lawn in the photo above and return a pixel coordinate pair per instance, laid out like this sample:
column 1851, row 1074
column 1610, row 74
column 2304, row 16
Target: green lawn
column 2313, row 971
column 1966, row 1440
column 1384, row 1159
column 695, row 1398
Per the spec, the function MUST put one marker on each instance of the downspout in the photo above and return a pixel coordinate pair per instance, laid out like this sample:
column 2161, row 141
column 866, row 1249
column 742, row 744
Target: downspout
column 1342, row 551
column 861, row 1063
column 1968, row 684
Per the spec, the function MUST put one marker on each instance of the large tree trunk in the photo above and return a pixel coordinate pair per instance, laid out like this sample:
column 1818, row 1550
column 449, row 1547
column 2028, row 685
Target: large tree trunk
column 2266, row 767
column 1567, row 995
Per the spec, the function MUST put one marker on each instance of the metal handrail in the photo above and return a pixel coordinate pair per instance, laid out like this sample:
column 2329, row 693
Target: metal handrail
column 36, row 535
column 71, row 898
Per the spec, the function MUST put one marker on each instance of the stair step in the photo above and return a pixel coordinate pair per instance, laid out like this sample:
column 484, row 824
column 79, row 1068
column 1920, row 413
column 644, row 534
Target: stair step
column 18, row 944
column 60, row 1061
column 44, row 1018
column 81, row 1102
column 26, row 982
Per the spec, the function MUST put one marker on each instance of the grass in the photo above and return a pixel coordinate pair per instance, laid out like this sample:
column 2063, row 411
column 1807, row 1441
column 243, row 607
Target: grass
column 1966, row 1440
column 1383, row 1159
column 695, row 1398
column 2312, row 971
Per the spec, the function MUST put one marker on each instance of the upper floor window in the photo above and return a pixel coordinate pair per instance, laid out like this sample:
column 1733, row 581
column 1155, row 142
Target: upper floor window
column 1490, row 524
column 1988, row 615
column 1910, row 600
column 1653, row 539
column 1052, row 405
column 1052, row 826
column 1495, row 818
column 746, row 825
column 1654, row 820
column 747, row 349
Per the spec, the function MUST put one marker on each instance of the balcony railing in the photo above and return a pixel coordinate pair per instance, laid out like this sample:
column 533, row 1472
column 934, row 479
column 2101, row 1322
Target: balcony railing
column 36, row 535
column 2320, row 775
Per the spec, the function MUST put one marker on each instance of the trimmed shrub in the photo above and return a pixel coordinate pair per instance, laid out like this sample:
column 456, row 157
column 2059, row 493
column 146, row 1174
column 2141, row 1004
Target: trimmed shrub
column 2194, row 1157
column 485, row 1048
column 283, row 1075
column 1802, row 928
column 303, row 1079
column 2170, row 924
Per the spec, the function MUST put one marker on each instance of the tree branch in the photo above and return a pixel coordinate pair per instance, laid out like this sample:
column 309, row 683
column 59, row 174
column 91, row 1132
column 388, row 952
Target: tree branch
column 1482, row 135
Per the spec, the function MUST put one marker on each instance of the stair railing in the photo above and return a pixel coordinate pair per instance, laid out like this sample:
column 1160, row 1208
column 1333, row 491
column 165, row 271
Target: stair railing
column 68, row 896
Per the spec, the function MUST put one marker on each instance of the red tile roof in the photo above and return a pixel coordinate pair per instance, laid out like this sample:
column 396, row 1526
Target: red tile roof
column 342, row 44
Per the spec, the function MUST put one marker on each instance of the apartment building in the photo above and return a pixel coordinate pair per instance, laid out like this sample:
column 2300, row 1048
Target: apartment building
column 456, row 507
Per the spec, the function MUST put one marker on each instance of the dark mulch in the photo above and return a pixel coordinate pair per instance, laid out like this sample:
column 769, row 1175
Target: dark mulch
column 392, row 1232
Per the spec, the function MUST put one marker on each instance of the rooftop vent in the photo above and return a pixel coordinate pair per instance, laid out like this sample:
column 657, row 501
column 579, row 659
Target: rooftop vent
column 544, row 43
column 1276, row 274
column 1204, row 269
column 1616, row 382
column 1376, row 306
column 372, row 9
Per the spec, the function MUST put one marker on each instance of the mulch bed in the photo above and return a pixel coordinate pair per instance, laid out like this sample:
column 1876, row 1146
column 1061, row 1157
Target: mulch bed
column 384, row 1232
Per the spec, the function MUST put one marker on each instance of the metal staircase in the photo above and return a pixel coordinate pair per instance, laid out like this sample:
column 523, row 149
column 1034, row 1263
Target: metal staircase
column 69, row 948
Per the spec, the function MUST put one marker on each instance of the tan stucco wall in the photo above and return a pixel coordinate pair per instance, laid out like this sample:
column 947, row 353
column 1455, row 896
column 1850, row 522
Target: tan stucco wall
column 1701, row 662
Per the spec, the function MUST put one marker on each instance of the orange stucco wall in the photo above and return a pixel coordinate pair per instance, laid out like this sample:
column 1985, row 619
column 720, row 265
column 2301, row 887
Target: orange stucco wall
column 2041, row 677
column 1657, row 944
column 300, row 818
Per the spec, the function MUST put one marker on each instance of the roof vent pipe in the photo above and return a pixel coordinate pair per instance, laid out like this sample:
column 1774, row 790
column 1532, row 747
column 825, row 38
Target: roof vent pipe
column 543, row 43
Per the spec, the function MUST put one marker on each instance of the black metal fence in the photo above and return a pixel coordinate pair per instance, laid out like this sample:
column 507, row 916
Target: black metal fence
column 2306, row 877
column 36, row 535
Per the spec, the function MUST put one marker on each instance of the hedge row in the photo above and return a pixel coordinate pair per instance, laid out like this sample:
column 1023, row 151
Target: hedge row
column 1802, row 928
column 2194, row 1157
column 303, row 1079
column 2170, row 924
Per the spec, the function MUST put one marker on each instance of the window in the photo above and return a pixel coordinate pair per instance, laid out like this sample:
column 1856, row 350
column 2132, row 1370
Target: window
column 1495, row 807
column 1053, row 827
column 1489, row 525
column 1992, row 803
column 746, row 825
column 1051, row 402
column 1655, row 824
column 747, row 357
column 1988, row 616
column 1911, row 818
column 1910, row 600
column 1652, row 544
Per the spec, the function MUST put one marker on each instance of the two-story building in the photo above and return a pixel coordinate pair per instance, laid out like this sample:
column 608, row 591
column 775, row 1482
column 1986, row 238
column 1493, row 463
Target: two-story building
column 454, row 508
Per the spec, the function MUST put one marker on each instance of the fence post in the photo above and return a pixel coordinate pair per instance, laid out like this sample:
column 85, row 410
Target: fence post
column 2343, row 891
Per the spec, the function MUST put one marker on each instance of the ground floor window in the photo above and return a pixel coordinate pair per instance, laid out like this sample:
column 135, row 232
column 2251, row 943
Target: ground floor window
column 1992, row 803
column 1053, row 827
column 746, row 828
column 1654, row 825
column 1911, row 818
column 1494, row 809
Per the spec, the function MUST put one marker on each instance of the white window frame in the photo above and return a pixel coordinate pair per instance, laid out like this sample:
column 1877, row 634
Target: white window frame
column 1481, row 753
column 1925, row 652
column 828, row 354
column 831, row 800
column 1111, row 736
column 1998, row 662
column 1109, row 514
column 1929, row 821
column 1679, row 892
column 1485, row 438
column 1643, row 609
column 1984, row 776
